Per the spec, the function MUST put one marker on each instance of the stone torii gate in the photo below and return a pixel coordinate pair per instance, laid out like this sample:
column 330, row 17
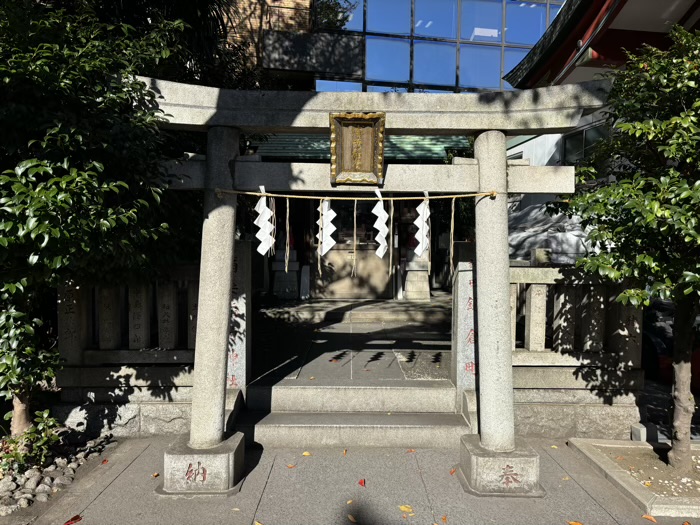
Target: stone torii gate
column 207, row 462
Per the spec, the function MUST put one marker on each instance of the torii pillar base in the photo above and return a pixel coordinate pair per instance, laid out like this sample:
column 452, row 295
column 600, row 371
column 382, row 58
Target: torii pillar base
column 484, row 472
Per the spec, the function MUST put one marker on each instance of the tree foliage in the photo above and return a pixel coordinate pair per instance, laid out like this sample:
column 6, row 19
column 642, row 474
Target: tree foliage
column 639, row 198
column 80, row 157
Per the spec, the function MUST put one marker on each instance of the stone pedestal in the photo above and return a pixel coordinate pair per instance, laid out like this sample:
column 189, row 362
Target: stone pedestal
column 417, row 281
column 487, row 473
column 285, row 285
column 213, row 470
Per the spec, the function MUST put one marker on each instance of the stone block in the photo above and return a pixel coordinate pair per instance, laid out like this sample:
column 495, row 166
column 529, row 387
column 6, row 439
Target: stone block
column 486, row 473
column 139, row 316
column 417, row 286
column 73, row 323
column 165, row 418
column 166, row 296
column 638, row 432
column 109, row 318
column 278, row 266
column 285, row 285
column 211, row 470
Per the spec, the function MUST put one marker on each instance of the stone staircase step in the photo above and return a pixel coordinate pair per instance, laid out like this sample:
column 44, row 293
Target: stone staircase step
column 432, row 396
column 310, row 430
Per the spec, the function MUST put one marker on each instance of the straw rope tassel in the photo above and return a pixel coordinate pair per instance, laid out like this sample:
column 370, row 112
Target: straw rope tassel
column 452, row 239
column 273, row 207
column 286, row 246
column 354, row 241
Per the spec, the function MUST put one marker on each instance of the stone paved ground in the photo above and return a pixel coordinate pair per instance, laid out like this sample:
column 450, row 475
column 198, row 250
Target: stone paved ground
column 318, row 488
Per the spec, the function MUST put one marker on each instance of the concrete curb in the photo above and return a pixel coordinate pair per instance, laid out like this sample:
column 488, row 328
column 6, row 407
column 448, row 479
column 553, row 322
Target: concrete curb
column 645, row 499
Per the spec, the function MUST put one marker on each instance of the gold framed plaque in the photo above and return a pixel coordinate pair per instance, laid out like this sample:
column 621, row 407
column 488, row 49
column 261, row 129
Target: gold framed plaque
column 357, row 148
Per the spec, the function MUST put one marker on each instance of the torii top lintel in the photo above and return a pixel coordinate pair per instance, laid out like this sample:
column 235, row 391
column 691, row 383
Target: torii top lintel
column 554, row 109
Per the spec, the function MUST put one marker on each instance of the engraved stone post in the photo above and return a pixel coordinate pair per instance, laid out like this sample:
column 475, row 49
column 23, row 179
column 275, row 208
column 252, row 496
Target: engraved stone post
column 109, row 309
column 166, row 296
column 239, row 343
column 72, row 323
column 139, row 316
column 464, row 363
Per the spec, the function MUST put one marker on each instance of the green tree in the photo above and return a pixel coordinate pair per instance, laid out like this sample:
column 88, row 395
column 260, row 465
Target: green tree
column 80, row 175
column 640, row 200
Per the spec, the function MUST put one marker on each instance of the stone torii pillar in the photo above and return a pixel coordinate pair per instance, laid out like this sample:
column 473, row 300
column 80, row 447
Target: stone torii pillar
column 496, row 462
column 204, row 462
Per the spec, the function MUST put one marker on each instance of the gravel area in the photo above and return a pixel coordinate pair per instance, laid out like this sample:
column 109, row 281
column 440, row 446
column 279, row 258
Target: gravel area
column 650, row 469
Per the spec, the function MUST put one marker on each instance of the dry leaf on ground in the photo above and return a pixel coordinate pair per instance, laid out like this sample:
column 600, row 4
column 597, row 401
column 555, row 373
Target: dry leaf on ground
column 362, row 483
column 554, row 446
column 565, row 478
column 406, row 508
column 410, row 451
column 444, row 518
column 452, row 472
column 306, row 454
column 74, row 519
column 349, row 501
column 345, row 452
column 352, row 518
column 650, row 518
column 155, row 474
column 236, row 509
column 647, row 483
column 105, row 461
column 291, row 466
column 256, row 522
column 574, row 523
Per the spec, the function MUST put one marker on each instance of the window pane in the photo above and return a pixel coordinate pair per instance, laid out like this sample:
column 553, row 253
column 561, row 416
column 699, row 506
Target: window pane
column 436, row 18
column 388, row 59
column 593, row 135
column 354, row 22
column 386, row 89
column 525, row 22
column 480, row 66
column 512, row 58
column 434, row 63
column 482, row 20
column 389, row 16
column 573, row 148
column 553, row 12
column 332, row 85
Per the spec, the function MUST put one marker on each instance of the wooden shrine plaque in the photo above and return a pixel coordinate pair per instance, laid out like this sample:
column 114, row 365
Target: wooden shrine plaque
column 357, row 148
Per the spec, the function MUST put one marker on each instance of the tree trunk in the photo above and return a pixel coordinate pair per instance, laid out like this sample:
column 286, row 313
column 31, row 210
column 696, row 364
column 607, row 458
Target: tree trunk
column 21, row 420
column 683, row 401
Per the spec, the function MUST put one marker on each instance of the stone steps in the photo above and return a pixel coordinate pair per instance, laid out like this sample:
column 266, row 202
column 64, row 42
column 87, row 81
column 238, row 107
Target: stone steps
column 432, row 396
column 308, row 430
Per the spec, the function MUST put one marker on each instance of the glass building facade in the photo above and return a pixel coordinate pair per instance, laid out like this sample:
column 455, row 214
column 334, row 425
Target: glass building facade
column 442, row 45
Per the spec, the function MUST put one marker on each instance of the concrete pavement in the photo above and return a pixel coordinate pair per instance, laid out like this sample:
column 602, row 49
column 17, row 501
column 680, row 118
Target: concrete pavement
column 316, row 490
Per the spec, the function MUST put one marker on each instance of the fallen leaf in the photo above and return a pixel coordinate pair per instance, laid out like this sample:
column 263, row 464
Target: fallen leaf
column 647, row 483
column 554, row 446
column 74, row 519
column 565, row 478
column 406, row 508
column 444, row 518
column 349, row 501
column 291, row 466
column 687, row 523
column 256, row 522
column 155, row 474
column 362, row 483
column 236, row 509
column 332, row 360
column 312, row 378
column 574, row 523
column 352, row 518
column 620, row 458
column 105, row 461
column 650, row 518
column 452, row 472
column 306, row 454
column 410, row 451
column 411, row 514
column 404, row 516
column 345, row 452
